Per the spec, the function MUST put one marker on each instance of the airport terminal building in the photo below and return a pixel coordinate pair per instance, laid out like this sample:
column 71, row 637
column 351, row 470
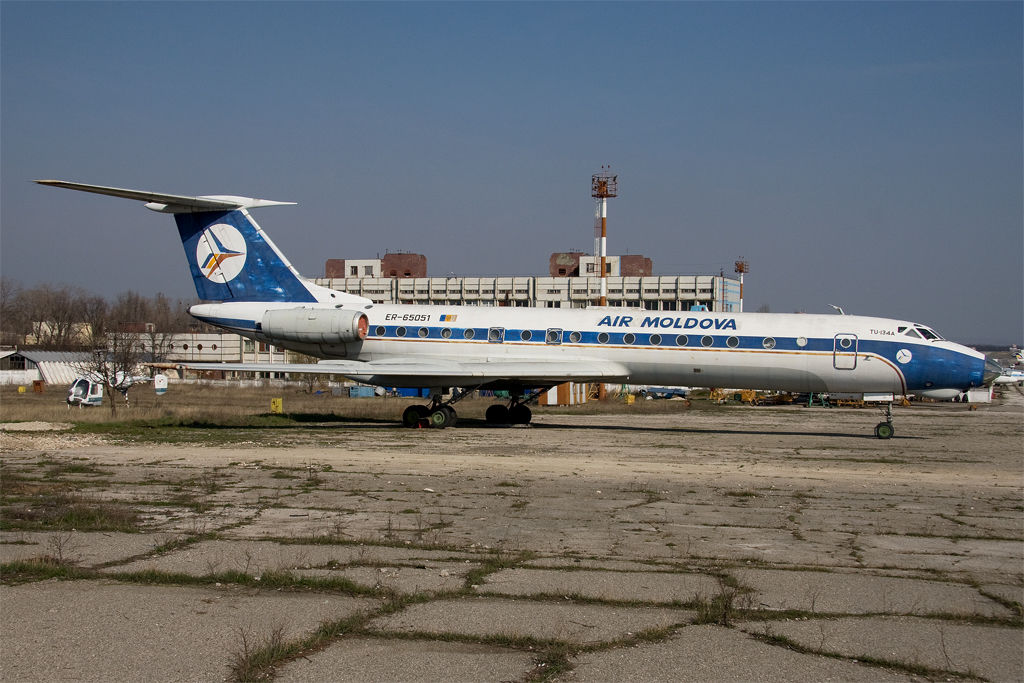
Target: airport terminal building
column 572, row 282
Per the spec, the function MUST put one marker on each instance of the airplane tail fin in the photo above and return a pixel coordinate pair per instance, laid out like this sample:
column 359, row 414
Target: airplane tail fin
column 230, row 257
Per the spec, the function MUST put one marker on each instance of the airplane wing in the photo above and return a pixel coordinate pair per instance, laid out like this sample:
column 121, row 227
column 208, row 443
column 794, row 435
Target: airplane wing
column 419, row 372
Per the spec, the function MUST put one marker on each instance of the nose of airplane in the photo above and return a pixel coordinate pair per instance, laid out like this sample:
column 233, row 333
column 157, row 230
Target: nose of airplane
column 992, row 370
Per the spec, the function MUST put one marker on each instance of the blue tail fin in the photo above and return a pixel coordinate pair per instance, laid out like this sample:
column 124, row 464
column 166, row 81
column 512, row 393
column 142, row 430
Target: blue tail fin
column 231, row 259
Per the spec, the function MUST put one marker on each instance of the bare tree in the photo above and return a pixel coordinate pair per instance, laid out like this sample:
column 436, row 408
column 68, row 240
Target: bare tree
column 11, row 321
column 53, row 316
column 115, row 365
column 311, row 382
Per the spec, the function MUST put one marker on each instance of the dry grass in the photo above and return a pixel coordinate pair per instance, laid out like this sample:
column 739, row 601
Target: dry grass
column 230, row 403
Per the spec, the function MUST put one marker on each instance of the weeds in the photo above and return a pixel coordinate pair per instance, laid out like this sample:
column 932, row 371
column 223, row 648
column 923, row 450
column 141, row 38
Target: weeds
column 39, row 569
column 69, row 511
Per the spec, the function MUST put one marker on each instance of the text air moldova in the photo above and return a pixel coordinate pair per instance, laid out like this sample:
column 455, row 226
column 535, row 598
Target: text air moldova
column 670, row 322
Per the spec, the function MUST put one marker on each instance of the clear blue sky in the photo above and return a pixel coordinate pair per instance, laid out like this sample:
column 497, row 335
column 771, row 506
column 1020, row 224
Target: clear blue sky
column 862, row 154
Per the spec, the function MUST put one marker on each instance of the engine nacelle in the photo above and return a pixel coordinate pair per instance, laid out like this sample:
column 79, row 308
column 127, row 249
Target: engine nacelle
column 316, row 325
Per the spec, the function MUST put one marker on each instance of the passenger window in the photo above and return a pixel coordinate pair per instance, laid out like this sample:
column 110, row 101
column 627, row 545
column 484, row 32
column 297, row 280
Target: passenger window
column 446, row 333
column 469, row 333
column 732, row 342
column 602, row 338
column 682, row 340
column 423, row 332
column 707, row 340
column 655, row 340
column 400, row 332
column 768, row 343
column 575, row 337
column 526, row 335
column 380, row 331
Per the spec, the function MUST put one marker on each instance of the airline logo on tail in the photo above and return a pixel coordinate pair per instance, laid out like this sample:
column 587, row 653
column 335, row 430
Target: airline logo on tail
column 220, row 253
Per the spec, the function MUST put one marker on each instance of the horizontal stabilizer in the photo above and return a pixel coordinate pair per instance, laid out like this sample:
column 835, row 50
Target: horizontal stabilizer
column 171, row 203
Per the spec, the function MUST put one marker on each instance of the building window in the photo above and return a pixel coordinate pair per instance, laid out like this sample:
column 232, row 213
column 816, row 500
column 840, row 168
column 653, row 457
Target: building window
column 590, row 268
column 368, row 270
column 353, row 271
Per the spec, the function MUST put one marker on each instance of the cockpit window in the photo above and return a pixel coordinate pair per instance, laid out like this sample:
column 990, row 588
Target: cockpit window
column 912, row 333
column 930, row 335
column 901, row 329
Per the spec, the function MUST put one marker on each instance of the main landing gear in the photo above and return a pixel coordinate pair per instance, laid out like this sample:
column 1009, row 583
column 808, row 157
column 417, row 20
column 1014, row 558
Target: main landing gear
column 440, row 413
column 885, row 430
column 517, row 412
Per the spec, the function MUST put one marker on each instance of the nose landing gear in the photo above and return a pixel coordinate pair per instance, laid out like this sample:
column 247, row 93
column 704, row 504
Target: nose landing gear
column 885, row 430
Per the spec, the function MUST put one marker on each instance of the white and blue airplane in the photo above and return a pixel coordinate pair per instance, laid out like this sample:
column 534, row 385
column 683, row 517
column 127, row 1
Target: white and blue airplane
column 254, row 291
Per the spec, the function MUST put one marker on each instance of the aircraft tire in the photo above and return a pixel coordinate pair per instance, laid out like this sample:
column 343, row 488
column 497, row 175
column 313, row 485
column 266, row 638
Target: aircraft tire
column 453, row 417
column 884, row 430
column 520, row 414
column 442, row 417
column 412, row 415
column 497, row 414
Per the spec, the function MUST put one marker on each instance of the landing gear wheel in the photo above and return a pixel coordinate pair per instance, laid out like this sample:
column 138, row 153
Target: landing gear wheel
column 497, row 414
column 412, row 415
column 442, row 417
column 519, row 414
column 884, row 430
column 453, row 417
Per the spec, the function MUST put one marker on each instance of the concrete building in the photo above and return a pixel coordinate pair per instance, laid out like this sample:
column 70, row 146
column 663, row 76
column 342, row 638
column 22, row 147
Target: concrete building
column 392, row 265
column 577, row 263
column 630, row 283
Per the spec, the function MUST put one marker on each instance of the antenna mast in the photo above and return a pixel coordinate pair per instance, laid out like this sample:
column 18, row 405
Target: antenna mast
column 602, row 186
column 742, row 267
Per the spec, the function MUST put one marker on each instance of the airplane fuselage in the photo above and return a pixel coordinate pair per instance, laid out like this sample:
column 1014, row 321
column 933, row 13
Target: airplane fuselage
column 788, row 352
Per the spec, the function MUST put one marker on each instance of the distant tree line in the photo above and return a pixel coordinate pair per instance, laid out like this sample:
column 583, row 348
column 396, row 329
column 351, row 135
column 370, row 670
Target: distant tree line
column 63, row 318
